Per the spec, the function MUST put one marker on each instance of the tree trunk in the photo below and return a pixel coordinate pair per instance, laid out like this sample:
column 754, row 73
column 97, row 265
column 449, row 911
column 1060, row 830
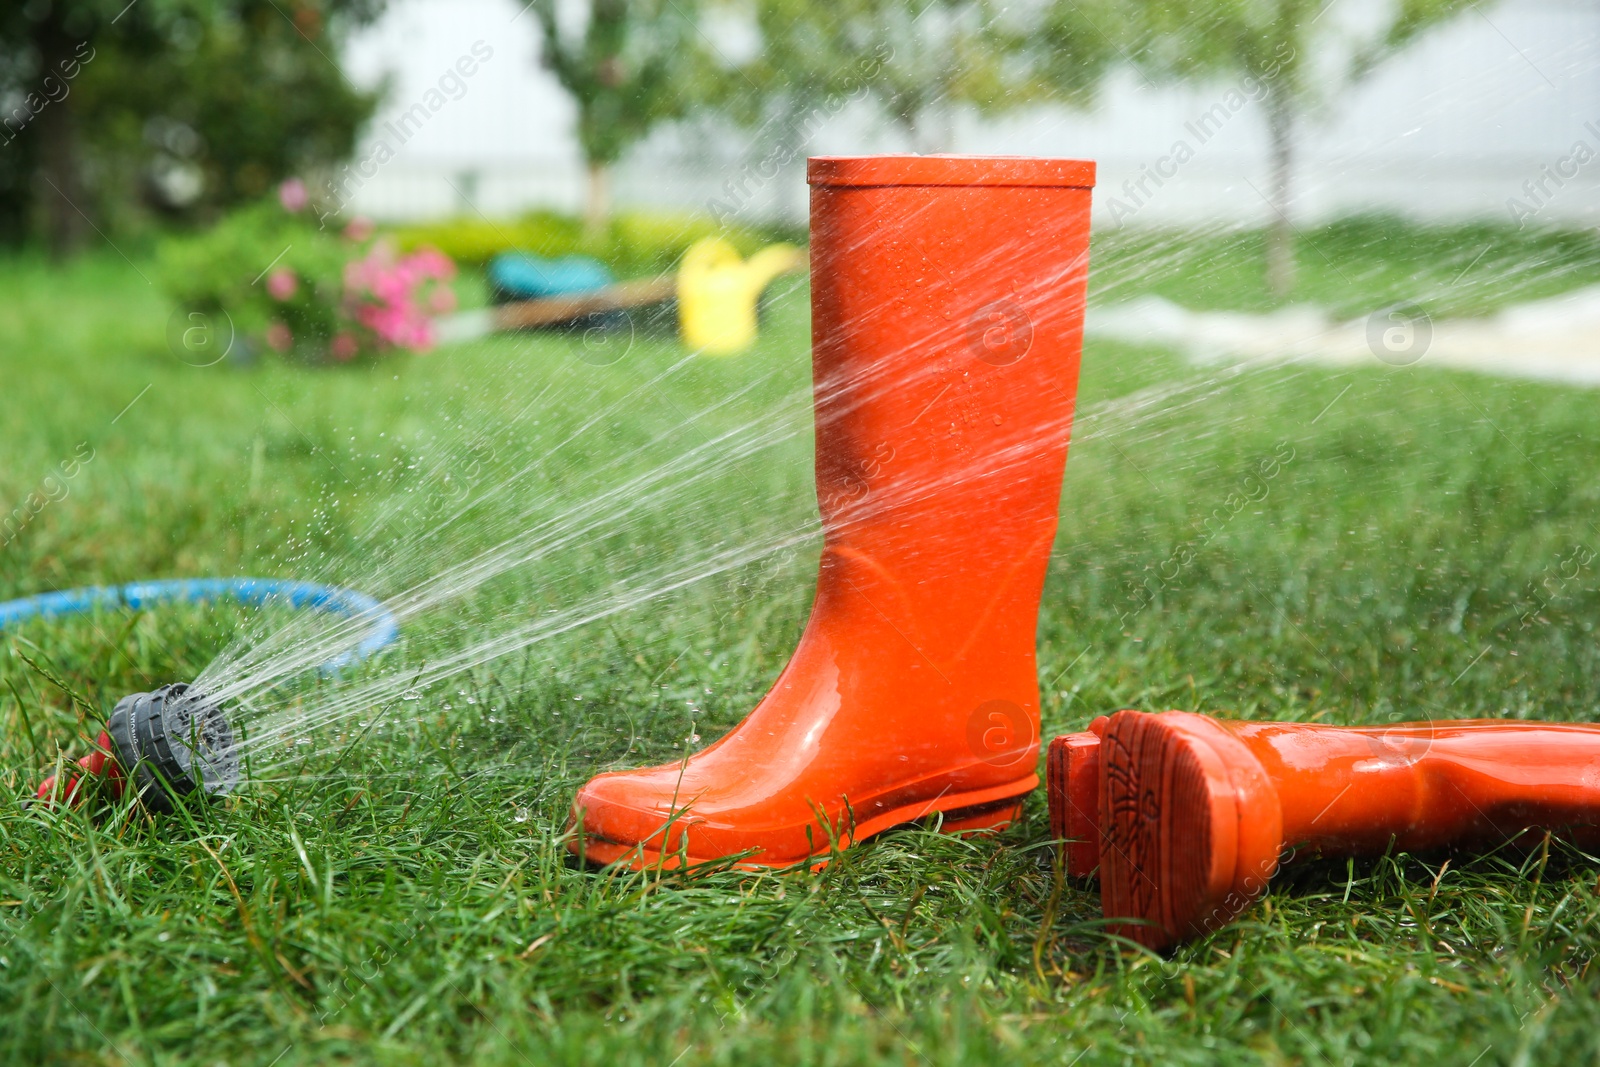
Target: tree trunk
column 1280, row 230
column 938, row 120
column 927, row 126
column 908, row 111
column 934, row 133
column 59, row 187
column 597, row 202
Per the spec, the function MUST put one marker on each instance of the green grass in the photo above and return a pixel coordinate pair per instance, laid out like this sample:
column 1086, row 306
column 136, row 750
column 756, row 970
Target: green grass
column 1353, row 267
column 409, row 900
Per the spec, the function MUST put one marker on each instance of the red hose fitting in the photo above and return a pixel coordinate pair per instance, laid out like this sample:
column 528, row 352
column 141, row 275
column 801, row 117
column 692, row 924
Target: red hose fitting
column 100, row 763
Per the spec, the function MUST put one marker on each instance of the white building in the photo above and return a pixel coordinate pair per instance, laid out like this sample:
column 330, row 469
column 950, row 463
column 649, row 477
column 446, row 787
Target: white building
column 1481, row 111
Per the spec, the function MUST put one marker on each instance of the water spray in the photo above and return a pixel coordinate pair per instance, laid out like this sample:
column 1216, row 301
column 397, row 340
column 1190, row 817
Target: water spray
column 176, row 743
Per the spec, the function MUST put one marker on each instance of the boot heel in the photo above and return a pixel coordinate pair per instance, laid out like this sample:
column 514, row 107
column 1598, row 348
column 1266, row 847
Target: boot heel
column 982, row 818
column 1168, row 831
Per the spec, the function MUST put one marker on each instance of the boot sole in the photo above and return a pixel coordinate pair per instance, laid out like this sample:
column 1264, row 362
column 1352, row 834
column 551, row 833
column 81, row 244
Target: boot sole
column 966, row 814
column 1168, row 832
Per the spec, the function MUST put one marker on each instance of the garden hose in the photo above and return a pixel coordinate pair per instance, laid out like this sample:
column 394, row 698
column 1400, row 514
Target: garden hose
column 175, row 742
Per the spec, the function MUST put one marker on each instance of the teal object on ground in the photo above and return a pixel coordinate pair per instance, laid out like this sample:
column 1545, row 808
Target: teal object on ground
column 520, row 276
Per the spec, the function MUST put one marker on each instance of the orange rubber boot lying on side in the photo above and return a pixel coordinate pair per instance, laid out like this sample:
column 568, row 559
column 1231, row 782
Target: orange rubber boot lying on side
column 947, row 313
column 1192, row 812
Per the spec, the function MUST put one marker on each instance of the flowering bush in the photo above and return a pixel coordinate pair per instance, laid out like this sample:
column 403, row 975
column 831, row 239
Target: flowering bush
column 394, row 297
column 276, row 279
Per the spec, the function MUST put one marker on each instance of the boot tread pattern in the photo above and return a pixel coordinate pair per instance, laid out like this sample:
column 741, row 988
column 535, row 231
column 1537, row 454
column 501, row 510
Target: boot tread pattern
column 1156, row 834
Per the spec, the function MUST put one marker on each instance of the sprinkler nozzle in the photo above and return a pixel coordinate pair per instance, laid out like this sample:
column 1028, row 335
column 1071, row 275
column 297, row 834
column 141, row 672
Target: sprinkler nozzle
column 169, row 744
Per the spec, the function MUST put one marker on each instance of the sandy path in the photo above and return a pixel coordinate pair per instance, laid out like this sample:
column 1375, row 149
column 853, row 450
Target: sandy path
column 1557, row 339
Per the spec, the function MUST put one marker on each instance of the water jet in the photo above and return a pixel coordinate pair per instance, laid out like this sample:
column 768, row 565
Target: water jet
column 176, row 742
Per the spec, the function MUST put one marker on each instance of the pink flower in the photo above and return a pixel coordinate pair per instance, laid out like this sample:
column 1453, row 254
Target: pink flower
column 344, row 346
column 432, row 263
column 293, row 196
column 278, row 337
column 360, row 228
column 282, row 283
column 394, row 296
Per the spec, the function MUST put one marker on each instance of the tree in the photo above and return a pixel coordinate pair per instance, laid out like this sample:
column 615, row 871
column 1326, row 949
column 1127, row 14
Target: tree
column 628, row 65
column 1298, row 51
column 43, row 53
column 917, row 61
column 920, row 59
column 185, row 106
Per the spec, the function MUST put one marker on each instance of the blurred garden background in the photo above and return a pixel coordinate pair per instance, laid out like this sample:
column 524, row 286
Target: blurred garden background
column 308, row 289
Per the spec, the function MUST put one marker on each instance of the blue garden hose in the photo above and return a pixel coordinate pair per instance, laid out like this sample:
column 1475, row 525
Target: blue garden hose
column 345, row 603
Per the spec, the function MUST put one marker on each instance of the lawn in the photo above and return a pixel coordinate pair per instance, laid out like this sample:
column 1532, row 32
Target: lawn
column 395, row 889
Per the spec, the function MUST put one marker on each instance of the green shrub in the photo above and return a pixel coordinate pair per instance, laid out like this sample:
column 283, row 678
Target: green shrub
column 272, row 276
column 635, row 243
column 225, row 271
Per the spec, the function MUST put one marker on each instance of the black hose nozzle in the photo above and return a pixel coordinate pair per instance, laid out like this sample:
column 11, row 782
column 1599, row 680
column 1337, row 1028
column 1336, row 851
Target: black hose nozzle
column 173, row 743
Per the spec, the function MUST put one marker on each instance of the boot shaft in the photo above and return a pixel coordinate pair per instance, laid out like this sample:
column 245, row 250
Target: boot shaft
column 947, row 318
column 1426, row 784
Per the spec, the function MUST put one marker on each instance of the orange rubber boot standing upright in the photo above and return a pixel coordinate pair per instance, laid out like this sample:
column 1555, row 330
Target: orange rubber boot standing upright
column 947, row 313
column 1194, row 812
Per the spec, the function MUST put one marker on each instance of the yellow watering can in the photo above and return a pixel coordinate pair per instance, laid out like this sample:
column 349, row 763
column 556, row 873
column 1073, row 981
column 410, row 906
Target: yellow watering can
column 717, row 292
